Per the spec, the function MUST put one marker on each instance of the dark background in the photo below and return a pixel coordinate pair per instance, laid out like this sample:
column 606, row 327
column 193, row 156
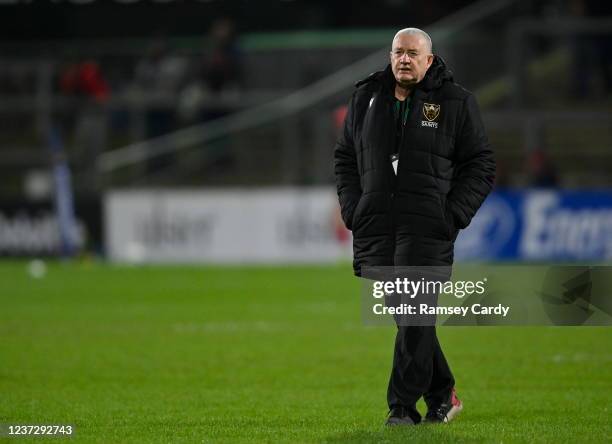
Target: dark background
column 63, row 19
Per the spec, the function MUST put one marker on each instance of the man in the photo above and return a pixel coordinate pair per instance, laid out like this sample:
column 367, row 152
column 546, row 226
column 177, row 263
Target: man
column 412, row 165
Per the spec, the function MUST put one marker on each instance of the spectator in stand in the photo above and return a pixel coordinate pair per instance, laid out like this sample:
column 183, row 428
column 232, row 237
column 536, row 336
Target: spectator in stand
column 160, row 75
column 217, row 78
column 223, row 70
column 85, row 82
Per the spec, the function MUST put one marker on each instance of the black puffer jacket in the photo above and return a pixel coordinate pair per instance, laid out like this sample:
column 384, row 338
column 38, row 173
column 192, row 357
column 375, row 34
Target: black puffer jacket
column 446, row 169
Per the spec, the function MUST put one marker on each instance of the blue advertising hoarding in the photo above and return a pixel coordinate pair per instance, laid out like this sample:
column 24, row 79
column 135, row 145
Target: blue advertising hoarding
column 540, row 225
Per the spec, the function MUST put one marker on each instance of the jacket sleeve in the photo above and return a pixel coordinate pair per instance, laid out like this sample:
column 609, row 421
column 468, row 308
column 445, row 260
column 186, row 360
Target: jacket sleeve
column 474, row 167
column 348, row 183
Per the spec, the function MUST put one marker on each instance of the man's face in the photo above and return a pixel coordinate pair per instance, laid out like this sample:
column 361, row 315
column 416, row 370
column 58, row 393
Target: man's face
column 410, row 59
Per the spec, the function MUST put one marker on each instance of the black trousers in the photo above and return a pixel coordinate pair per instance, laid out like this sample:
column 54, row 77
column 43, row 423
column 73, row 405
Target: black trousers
column 419, row 369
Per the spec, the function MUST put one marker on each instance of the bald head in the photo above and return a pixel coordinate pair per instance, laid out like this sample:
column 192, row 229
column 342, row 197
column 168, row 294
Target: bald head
column 418, row 33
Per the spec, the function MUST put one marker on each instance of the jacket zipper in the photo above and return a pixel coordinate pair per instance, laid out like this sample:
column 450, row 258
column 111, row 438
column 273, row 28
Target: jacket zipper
column 404, row 122
column 395, row 179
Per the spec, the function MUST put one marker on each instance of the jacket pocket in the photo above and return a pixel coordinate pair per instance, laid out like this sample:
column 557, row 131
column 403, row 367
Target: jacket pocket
column 355, row 217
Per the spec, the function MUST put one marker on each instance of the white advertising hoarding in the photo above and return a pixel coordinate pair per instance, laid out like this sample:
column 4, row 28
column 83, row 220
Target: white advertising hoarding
column 225, row 226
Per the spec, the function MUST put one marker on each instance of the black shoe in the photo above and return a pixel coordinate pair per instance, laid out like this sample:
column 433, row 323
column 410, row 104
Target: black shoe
column 446, row 411
column 400, row 416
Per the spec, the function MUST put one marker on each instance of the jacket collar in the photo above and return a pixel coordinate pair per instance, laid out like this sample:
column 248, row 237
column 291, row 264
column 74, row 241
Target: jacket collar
column 436, row 75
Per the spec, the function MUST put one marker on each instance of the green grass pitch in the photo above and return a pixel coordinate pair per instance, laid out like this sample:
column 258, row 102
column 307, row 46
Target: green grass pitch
column 268, row 354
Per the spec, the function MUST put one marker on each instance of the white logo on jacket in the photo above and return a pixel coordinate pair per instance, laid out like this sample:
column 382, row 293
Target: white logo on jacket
column 431, row 111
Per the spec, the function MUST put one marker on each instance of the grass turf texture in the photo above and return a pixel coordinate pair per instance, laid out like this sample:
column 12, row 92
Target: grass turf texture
column 202, row 354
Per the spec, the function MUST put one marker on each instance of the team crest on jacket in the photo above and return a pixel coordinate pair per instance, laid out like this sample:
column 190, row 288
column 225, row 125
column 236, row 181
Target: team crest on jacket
column 431, row 111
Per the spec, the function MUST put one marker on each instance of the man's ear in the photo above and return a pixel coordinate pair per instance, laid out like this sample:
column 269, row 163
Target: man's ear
column 430, row 59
